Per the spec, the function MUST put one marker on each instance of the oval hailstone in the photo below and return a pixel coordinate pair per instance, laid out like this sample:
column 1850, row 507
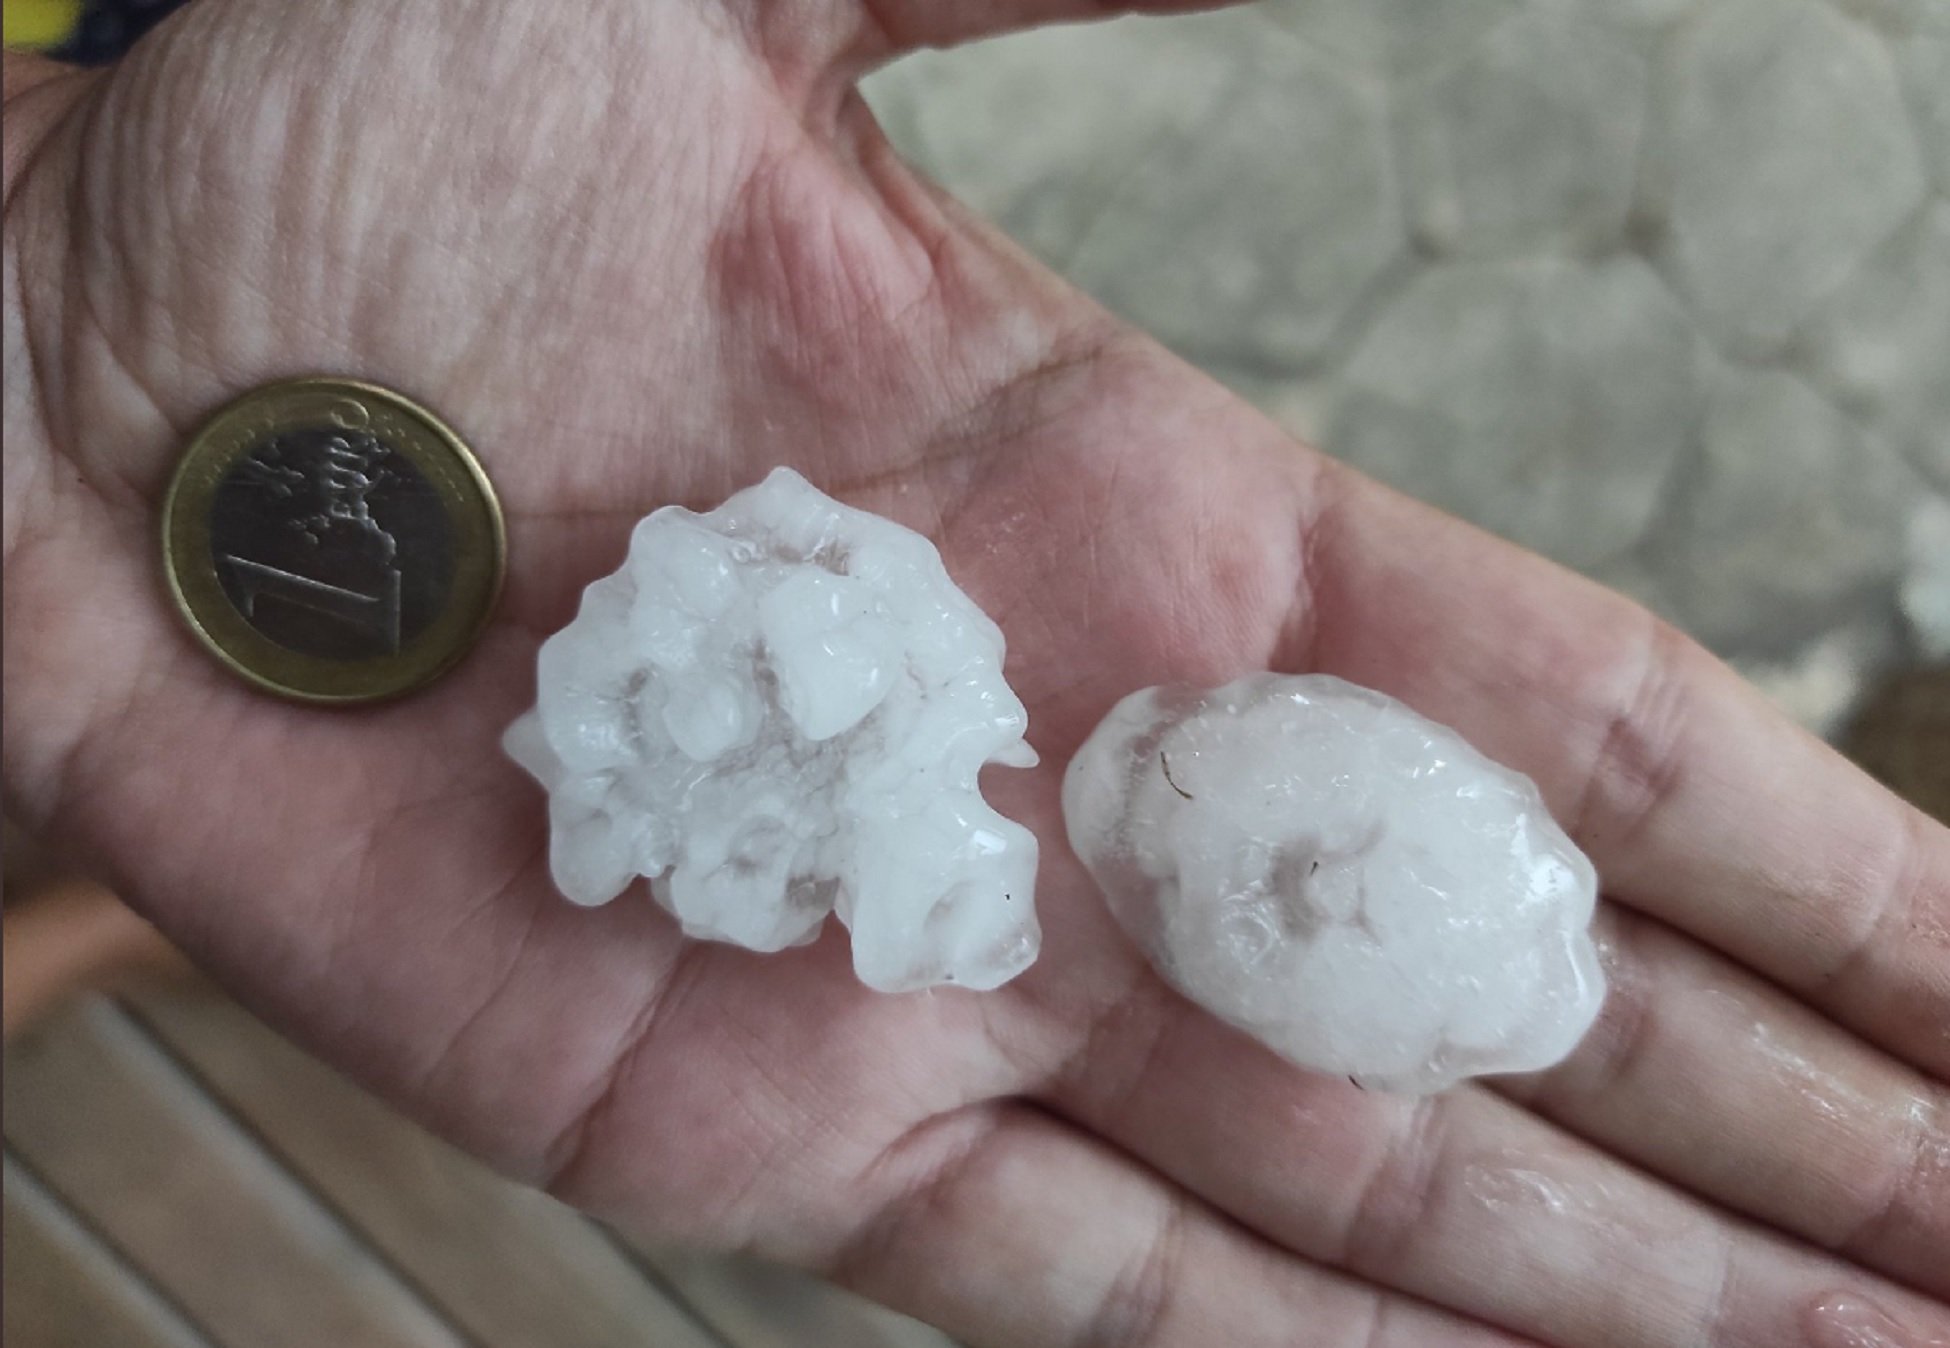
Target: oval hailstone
column 778, row 710
column 1351, row 884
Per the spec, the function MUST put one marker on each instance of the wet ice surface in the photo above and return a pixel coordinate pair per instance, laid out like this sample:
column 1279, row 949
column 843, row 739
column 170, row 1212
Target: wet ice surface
column 778, row 710
column 1348, row 882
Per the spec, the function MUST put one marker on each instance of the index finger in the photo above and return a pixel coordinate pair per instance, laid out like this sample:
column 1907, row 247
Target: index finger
column 1700, row 803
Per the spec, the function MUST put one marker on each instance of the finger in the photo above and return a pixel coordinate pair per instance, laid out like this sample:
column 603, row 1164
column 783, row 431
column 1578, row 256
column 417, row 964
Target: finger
column 1005, row 1227
column 903, row 25
column 1700, row 803
column 1463, row 1199
column 1704, row 1074
column 844, row 38
column 39, row 92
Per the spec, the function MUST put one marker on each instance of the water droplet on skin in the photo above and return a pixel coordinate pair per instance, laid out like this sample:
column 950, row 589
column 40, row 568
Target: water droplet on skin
column 1845, row 1320
column 1506, row 1189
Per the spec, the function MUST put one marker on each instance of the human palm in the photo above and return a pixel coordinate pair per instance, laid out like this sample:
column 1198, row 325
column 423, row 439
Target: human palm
column 641, row 252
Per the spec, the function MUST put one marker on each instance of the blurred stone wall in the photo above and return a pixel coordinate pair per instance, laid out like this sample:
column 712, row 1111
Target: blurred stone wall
column 1658, row 287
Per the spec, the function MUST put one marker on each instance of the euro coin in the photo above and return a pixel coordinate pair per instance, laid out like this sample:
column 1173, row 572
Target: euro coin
column 331, row 541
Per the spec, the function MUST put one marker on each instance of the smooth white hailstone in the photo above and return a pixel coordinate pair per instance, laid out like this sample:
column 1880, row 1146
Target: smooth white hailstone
column 778, row 710
column 1348, row 882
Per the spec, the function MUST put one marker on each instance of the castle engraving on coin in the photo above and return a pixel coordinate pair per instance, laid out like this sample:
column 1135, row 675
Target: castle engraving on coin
column 331, row 541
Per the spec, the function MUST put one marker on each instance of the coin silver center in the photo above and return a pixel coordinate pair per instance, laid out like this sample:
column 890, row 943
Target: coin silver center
column 331, row 543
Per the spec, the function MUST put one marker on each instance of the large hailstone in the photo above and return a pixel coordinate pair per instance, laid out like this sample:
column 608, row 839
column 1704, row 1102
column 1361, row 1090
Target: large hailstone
column 1348, row 882
column 778, row 710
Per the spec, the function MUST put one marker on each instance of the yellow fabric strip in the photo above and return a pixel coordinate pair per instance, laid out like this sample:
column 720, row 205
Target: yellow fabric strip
column 39, row 23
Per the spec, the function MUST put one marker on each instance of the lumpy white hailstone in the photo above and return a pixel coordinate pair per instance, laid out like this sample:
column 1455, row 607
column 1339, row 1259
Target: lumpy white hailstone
column 778, row 710
column 1345, row 880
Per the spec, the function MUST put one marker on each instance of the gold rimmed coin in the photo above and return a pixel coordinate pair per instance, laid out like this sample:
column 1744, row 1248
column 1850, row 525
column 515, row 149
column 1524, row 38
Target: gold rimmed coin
column 332, row 541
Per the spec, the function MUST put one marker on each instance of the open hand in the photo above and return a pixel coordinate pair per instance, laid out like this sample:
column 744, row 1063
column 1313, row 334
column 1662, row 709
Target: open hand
column 641, row 251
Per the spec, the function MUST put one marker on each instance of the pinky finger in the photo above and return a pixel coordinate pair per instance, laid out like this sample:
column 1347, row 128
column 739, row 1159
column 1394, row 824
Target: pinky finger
column 1006, row 1226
